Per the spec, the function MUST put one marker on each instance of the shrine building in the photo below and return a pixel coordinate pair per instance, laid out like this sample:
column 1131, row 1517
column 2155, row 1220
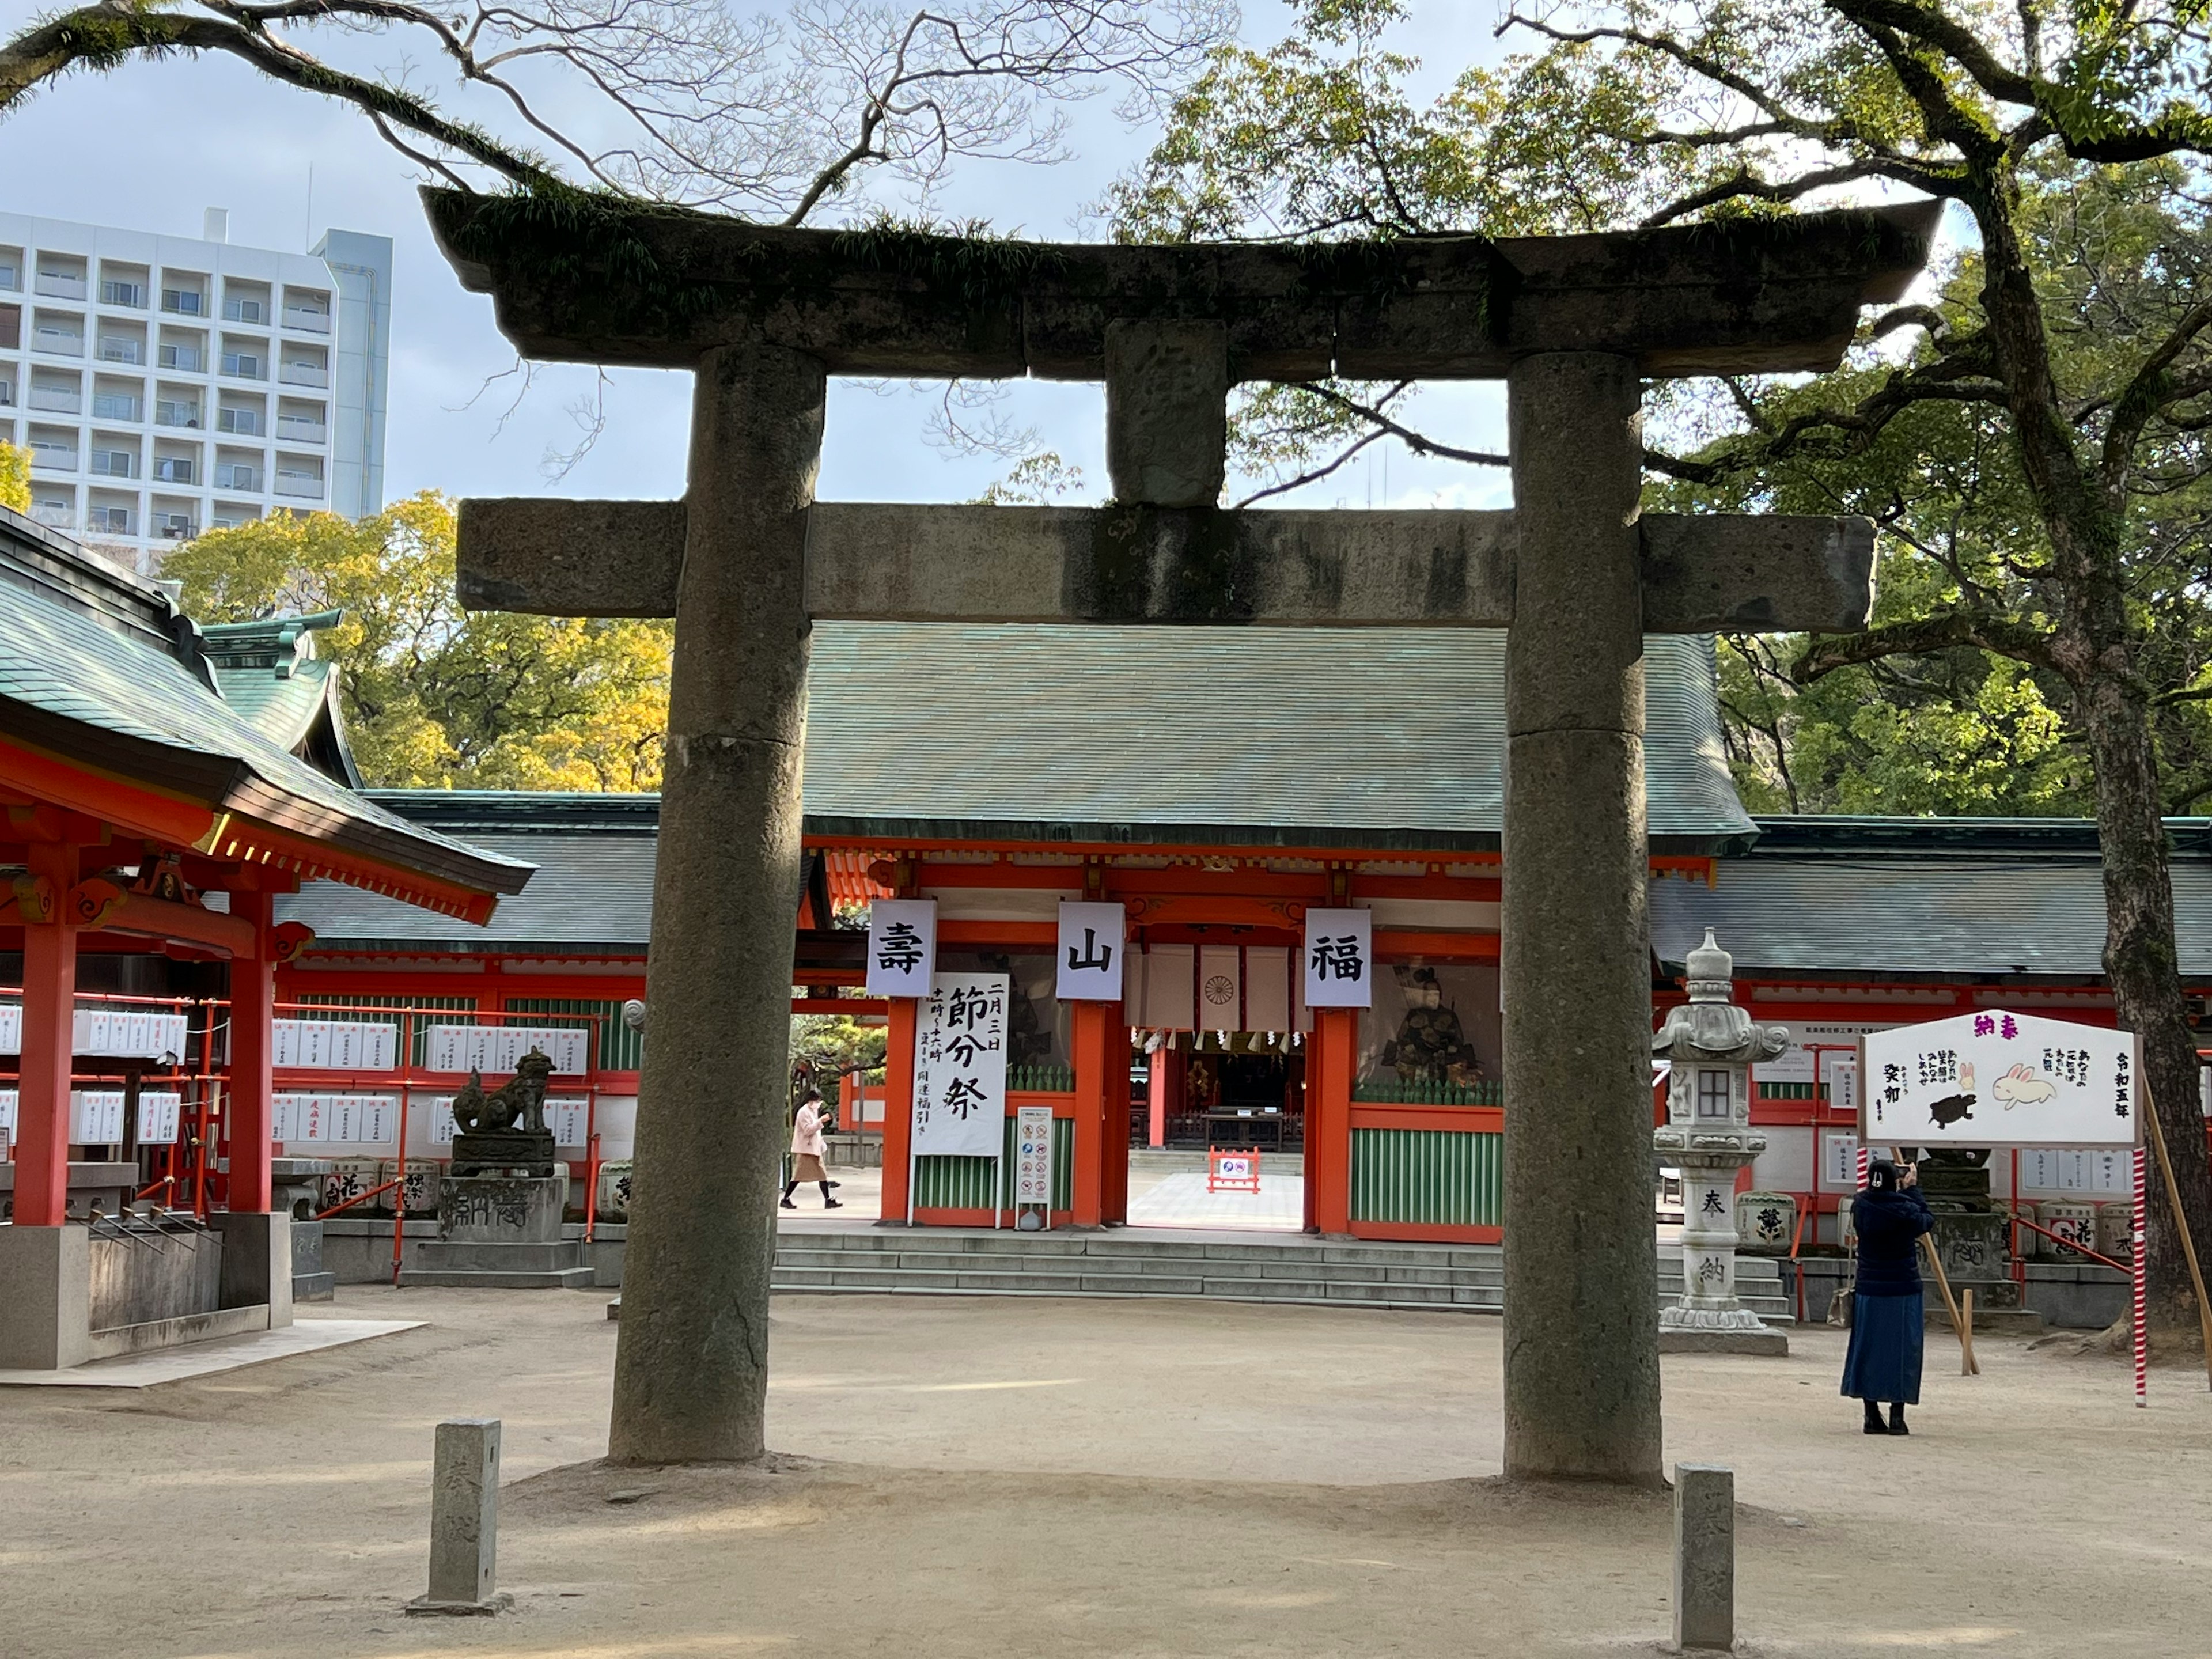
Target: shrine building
column 1217, row 783
column 218, row 952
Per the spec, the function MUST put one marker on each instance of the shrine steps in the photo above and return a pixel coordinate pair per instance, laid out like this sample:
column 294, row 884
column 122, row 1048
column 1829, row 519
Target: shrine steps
column 1286, row 1268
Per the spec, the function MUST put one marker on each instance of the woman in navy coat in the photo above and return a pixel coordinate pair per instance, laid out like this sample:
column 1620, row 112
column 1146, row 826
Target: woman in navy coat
column 1883, row 1364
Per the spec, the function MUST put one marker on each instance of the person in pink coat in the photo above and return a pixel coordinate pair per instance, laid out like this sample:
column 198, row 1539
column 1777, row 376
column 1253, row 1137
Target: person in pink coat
column 807, row 1147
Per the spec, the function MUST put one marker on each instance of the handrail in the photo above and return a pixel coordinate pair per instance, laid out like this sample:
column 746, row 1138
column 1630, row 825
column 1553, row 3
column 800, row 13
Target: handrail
column 2068, row 1244
column 358, row 1198
column 166, row 1181
column 1797, row 1237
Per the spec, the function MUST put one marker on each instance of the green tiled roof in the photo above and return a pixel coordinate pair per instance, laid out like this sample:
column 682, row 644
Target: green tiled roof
column 1383, row 737
column 1230, row 736
column 76, row 686
column 1971, row 899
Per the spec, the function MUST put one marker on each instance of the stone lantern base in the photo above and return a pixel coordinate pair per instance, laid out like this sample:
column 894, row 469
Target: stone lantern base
column 1740, row 1331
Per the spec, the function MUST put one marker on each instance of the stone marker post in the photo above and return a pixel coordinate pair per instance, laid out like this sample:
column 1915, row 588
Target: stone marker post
column 1704, row 1556
column 691, row 1365
column 1582, row 1360
column 464, row 1519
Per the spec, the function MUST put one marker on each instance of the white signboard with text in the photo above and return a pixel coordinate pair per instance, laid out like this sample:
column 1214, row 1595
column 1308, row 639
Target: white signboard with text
column 1089, row 952
column 498, row 1047
column 1339, row 958
column 1812, row 1039
column 960, row 1067
column 160, row 1111
column 334, row 1045
column 96, row 1117
column 1033, row 1156
column 1990, row 1078
column 902, row 947
column 355, row 1120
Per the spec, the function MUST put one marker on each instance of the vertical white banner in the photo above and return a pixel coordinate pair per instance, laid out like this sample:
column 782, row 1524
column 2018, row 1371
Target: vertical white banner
column 1266, row 988
column 902, row 947
column 158, row 1110
column 1339, row 959
column 1090, row 953
column 1171, row 972
column 960, row 1067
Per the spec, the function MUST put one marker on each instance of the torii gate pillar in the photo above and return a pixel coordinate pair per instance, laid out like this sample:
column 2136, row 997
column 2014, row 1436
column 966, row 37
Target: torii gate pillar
column 1582, row 1347
column 692, row 1364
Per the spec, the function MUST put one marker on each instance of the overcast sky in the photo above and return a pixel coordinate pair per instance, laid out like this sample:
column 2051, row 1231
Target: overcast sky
column 151, row 146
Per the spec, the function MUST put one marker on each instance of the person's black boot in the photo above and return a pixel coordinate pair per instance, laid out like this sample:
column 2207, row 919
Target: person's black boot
column 1874, row 1424
column 786, row 1202
column 1897, row 1419
column 828, row 1202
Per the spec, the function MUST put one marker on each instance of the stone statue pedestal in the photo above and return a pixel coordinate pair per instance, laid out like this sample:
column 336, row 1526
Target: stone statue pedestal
column 501, row 1233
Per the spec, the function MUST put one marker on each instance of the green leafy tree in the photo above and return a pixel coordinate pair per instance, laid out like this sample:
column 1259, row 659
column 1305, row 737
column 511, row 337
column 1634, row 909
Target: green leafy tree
column 2045, row 612
column 14, row 477
column 435, row 696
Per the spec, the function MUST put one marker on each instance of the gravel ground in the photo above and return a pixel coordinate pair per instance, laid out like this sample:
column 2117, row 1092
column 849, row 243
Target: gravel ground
column 965, row 1476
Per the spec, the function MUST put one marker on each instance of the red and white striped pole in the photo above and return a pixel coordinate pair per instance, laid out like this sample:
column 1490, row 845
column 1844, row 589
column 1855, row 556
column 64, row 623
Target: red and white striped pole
column 2140, row 1299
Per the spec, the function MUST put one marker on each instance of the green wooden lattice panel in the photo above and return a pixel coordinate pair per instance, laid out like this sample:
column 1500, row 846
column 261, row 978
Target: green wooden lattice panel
column 464, row 1013
column 964, row 1183
column 620, row 1049
column 1428, row 1178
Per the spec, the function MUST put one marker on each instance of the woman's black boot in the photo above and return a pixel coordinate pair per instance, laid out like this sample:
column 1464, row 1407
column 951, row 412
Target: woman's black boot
column 1873, row 1424
column 1897, row 1419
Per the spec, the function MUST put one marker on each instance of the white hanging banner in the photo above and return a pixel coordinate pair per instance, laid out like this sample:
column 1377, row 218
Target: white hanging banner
column 1340, row 957
column 11, row 1028
column 1998, row 1079
column 1266, row 988
column 1033, row 1155
column 960, row 1067
column 1089, row 952
column 1170, row 972
column 1220, row 988
column 902, row 947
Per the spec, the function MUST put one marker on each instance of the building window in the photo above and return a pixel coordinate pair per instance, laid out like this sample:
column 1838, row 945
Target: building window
column 1713, row 1094
column 113, row 292
column 184, row 301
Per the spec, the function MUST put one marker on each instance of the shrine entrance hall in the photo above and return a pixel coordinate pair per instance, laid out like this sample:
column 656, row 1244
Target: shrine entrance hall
column 1205, row 860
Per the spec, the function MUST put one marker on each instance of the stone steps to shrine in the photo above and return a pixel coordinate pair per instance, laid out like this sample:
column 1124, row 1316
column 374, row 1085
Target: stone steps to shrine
column 1287, row 1268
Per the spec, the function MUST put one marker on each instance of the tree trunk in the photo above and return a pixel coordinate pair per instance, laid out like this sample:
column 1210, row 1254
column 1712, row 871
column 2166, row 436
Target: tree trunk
column 2142, row 963
column 2093, row 648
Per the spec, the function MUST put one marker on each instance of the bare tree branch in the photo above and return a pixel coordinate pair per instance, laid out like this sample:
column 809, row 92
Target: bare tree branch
column 2004, row 637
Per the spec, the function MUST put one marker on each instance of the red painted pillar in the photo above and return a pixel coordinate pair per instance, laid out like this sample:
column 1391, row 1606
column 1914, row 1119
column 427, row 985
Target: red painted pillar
column 1328, row 1107
column 249, row 1108
column 1116, row 1125
column 42, row 1104
column 1093, row 1026
column 1155, row 1092
column 898, row 1105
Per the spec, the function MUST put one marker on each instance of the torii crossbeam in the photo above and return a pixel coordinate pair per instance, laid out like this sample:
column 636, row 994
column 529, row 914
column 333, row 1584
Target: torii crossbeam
column 745, row 561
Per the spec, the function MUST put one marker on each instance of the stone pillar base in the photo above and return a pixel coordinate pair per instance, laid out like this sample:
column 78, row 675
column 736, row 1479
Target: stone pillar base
column 45, row 1297
column 257, row 1262
column 1764, row 1339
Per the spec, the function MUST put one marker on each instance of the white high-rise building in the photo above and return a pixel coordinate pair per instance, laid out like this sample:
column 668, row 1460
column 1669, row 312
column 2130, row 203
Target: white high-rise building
column 165, row 385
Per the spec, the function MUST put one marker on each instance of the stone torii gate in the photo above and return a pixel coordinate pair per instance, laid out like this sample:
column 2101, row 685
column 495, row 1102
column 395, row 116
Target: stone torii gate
column 745, row 561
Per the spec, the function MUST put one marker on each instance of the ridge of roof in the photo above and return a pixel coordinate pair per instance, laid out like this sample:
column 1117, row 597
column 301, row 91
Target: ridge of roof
column 1808, row 835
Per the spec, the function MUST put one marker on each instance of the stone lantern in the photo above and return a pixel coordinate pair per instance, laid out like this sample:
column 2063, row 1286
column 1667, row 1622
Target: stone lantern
column 1713, row 1045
